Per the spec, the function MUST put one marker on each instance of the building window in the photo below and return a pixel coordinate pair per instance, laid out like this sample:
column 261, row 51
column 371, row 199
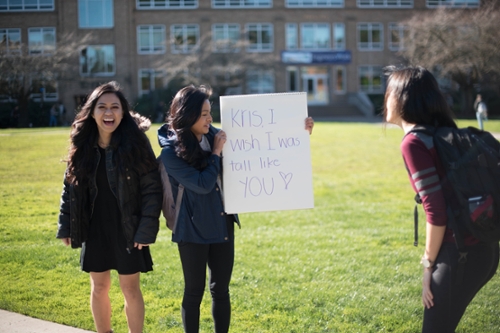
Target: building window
column 149, row 80
column 314, row 3
column 260, row 37
column 292, row 78
column 315, row 36
column 260, row 81
column 26, row 5
column 242, row 3
column 184, row 37
column 292, row 36
column 95, row 13
column 453, row 3
column 398, row 34
column 151, row 39
column 370, row 79
column 10, row 41
column 166, row 4
column 339, row 36
column 340, row 79
column 44, row 90
column 41, row 40
column 385, row 3
column 97, row 60
column 370, row 36
column 225, row 37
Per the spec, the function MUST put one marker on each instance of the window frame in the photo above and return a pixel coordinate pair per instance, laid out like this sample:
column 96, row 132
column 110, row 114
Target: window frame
column 104, row 24
column 50, row 6
column 400, row 29
column 343, row 68
column 43, row 95
column 241, row 4
column 341, row 45
column 370, row 69
column 314, row 4
column 385, row 3
column 186, row 48
column 151, row 48
column 315, row 26
column 452, row 3
column 154, row 74
column 259, row 46
column 154, row 4
column 43, row 31
column 370, row 45
column 98, row 74
column 229, row 45
column 7, row 32
column 261, row 87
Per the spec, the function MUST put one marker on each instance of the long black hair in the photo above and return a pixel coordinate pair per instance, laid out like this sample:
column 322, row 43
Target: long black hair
column 417, row 97
column 185, row 110
column 131, row 146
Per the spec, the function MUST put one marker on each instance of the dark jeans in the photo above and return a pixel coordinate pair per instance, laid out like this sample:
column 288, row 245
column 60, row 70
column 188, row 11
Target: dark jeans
column 451, row 300
column 220, row 260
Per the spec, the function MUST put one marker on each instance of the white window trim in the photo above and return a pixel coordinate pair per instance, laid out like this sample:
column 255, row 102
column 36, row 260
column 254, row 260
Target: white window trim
column 334, row 41
column 372, row 4
column 229, row 4
column 258, row 47
column 315, row 25
column 87, row 25
column 153, row 74
column 393, row 26
column 452, row 3
column 185, row 48
column 314, row 4
column 151, row 45
column 98, row 74
column 288, row 70
column 8, row 6
column 39, row 96
column 7, row 32
column 370, row 43
column 226, row 27
column 30, row 30
column 371, row 90
column 183, row 5
column 295, row 27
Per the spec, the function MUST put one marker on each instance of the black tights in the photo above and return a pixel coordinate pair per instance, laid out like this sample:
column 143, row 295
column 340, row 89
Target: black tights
column 220, row 259
column 450, row 300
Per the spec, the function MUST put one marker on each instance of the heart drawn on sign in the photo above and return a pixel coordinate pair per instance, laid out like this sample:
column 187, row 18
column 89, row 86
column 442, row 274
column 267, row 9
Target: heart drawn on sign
column 287, row 177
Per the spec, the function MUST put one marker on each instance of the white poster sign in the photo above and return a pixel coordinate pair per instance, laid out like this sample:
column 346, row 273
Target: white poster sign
column 266, row 158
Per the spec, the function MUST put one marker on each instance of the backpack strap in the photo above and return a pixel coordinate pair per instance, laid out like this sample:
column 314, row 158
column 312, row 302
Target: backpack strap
column 418, row 201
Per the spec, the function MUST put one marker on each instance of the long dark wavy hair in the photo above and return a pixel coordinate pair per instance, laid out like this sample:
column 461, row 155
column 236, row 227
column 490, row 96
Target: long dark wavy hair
column 418, row 99
column 185, row 110
column 130, row 144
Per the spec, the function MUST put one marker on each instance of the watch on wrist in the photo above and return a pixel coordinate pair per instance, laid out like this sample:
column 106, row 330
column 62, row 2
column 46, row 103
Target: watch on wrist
column 426, row 262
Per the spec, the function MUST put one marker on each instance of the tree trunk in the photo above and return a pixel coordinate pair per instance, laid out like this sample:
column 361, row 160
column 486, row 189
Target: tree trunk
column 24, row 116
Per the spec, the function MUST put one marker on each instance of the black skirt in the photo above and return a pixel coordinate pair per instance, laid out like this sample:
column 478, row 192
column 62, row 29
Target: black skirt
column 106, row 247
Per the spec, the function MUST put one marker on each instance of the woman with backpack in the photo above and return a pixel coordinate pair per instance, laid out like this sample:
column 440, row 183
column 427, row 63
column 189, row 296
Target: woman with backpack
column 204, row 233
column 111, row 201
column 413, row 98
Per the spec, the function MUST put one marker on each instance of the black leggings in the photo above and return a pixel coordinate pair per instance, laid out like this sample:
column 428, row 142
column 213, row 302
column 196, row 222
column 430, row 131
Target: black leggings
column 220, row 259
column 451, row 300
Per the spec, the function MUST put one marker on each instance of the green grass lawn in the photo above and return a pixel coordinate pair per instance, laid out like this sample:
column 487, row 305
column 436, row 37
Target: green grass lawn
column 348, row 265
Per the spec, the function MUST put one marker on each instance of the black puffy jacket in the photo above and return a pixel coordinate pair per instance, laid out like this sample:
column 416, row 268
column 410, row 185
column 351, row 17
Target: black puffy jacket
column 139, row 198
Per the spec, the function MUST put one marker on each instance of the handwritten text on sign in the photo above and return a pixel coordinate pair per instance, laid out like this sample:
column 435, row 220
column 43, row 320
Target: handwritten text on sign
column 266, row 158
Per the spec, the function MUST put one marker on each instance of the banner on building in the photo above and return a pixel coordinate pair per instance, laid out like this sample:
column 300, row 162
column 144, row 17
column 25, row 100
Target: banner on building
column 266, row 158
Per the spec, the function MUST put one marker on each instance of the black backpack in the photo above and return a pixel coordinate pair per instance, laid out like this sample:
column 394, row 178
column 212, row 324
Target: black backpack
column 471, row 186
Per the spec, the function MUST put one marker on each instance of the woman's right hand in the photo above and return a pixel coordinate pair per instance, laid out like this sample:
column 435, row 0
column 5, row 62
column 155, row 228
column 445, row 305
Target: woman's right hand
column 66, row 241
column 427, row 297
column 219, row 141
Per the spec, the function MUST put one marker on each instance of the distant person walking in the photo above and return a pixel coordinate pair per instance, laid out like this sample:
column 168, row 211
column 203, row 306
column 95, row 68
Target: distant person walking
column 481, row 111
column 54, row 113
column 111, row 201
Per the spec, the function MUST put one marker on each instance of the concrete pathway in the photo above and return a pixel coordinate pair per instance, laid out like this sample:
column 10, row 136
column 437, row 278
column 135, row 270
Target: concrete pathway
column 16, row 323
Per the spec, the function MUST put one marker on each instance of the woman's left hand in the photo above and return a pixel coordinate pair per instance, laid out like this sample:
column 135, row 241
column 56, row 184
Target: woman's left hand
column 140, row 246
column 309, row 125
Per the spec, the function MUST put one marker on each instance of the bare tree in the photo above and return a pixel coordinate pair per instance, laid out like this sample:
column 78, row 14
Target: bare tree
column 462, row 44
column 21, row 72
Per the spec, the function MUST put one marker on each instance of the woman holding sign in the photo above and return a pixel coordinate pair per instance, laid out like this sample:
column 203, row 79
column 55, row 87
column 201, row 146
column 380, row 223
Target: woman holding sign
column 191, row 155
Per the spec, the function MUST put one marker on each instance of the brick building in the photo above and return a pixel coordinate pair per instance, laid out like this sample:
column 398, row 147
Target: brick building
column 333, row 49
